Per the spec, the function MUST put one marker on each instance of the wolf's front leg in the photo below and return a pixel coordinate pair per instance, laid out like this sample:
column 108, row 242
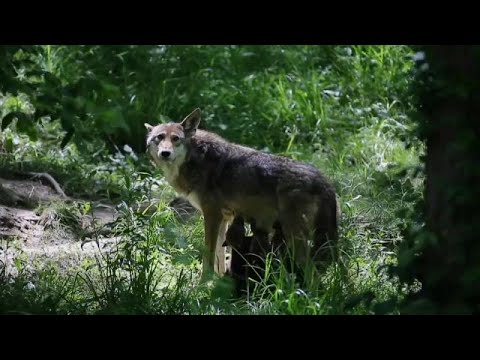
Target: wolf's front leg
column 213, row 221
column 220, row 267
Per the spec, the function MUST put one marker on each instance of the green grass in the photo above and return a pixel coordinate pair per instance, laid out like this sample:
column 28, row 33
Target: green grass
column 347, row 113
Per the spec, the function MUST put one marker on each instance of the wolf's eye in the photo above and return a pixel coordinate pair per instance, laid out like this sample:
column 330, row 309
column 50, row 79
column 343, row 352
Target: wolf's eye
column 175, row 138
column 160, row 137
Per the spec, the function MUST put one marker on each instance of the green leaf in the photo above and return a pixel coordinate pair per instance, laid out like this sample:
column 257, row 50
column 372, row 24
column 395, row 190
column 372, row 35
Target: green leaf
column 67, row 121
column 128, row 183
column 113, row 120
column 35, row 73
column 9, row 118
column 25, row 125
column 31, row 131
column 9, row 145
column 67, row 138
column 182, row 259
column 52, row 80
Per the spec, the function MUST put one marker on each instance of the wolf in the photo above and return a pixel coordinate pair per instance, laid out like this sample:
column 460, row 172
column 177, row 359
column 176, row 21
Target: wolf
column 221, row 178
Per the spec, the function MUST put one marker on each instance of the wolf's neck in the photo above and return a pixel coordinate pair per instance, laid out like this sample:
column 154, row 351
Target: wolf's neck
column 175, row 175
column 170, row 171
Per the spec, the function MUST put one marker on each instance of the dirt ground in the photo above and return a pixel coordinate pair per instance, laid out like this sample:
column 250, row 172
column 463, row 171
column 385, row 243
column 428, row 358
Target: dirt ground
column 30, row 232
column 33, row 234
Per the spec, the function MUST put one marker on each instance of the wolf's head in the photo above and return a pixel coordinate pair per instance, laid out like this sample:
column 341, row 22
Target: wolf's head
column 167, row 143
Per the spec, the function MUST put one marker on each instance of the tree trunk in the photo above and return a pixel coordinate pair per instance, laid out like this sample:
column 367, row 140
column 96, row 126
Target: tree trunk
column 449, row 265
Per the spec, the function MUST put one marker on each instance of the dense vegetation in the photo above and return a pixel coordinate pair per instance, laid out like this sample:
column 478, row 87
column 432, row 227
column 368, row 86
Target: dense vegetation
column 77, row 112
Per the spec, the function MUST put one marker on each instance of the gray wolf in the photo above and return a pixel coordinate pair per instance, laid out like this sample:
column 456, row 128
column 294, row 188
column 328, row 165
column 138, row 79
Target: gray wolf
column 219, row 178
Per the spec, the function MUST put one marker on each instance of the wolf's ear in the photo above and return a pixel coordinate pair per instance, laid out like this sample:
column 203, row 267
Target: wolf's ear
column 148, row 126
column 191, row 122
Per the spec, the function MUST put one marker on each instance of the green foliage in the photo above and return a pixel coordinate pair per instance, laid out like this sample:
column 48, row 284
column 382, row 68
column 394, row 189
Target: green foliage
column 342, row 108
column 441, row 243
column 279, row 94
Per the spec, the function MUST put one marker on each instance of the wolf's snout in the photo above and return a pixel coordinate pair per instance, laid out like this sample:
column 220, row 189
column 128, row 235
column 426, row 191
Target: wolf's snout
column 165, row 154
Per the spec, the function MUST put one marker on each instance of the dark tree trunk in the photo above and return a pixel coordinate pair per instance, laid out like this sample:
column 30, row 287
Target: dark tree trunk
column 449, row 265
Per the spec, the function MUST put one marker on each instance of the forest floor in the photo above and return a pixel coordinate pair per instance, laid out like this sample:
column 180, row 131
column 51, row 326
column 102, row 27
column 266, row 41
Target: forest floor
column 36, row 233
